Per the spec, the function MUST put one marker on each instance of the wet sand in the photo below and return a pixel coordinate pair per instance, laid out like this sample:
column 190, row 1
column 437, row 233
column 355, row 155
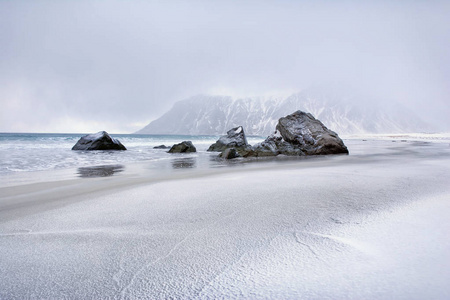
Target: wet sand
column 369, row 225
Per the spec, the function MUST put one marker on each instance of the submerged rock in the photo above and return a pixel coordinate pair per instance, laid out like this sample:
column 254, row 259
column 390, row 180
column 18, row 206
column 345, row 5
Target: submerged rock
column 183, row 147
column 161, row 147
column 98, row 141
column 300, row 134
column 235, row 138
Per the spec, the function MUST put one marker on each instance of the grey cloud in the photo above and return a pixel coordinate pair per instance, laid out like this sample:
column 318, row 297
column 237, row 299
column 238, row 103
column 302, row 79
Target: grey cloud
column 127, row 62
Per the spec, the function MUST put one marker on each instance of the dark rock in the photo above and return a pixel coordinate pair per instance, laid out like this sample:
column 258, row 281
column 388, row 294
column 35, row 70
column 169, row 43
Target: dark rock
column 183, row 147
column 235, row 138
column 98, row 141
column 310, row 135
column 246, row 151
column 300, row 134
column 275, row 145
column 161, row 147
column 229, row 153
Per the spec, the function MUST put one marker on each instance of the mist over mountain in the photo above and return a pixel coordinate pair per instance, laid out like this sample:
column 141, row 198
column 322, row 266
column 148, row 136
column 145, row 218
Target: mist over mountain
column 341, row 112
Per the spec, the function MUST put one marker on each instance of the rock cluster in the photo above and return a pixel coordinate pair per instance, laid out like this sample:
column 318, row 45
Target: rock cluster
column 183, row 147
column 98, row 141
column 301, row 134
column 296, row 134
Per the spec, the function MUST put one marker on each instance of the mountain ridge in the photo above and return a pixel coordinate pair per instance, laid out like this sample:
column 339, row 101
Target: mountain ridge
column 344, row 114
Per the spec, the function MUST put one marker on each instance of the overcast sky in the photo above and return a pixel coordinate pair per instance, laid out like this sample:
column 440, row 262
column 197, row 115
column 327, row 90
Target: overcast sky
column 85, row 66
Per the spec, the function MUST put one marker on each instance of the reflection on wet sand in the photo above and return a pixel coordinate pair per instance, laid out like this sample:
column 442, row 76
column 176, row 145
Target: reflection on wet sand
column 100, row 171
column 184, row 163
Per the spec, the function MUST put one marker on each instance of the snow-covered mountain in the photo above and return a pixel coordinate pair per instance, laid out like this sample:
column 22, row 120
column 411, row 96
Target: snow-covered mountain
column 205, row 114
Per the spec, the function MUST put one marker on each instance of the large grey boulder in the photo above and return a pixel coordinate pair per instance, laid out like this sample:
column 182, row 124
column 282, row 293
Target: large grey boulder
column 235, row 138
column 98, row 141
column 183, row 147
column 310, row 135
column 300, row 134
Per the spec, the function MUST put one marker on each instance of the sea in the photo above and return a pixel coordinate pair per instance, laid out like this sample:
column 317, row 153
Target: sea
column 22, row 154
column 27, row 158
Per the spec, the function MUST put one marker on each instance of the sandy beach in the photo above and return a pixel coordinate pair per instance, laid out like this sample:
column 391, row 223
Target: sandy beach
column 370, row 225
column 224, row 150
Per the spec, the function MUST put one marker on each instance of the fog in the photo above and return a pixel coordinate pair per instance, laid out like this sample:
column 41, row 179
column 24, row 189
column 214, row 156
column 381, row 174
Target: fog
column 87, row 66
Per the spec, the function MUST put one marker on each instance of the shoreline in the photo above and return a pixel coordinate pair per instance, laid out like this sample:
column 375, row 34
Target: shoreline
column 138, row 156
column 66, row 186
column 66, row 191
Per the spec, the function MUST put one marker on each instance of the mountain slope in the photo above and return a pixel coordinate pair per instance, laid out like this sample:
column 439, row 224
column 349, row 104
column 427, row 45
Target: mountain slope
column 344, row 114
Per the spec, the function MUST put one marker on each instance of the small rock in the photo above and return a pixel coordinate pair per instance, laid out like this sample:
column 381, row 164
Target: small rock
column 161, row 147
column 183, row 147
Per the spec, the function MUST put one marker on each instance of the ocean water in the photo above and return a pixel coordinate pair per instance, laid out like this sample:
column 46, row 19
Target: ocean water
column 27, row 158
column 29, row 152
